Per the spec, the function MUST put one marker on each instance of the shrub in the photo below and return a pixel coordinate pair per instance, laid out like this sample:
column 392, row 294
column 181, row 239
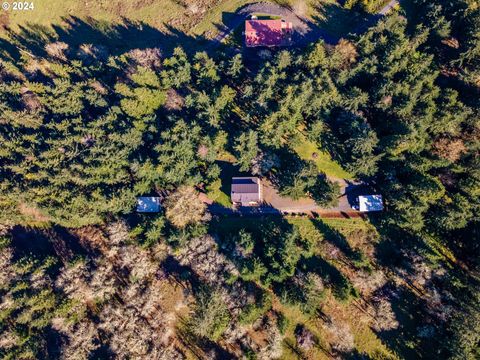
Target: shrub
column 282, row 323
column 211, row 315
column 256, row 310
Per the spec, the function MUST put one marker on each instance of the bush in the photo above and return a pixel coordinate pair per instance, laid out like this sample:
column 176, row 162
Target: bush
column 256, row 310
column 282, row 323
column 183, row 207
column 211, row 315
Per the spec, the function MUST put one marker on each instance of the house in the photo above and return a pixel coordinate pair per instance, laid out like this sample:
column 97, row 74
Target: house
column 367, row 203
column 246, row 191
column 148, row 204
column 276, row 32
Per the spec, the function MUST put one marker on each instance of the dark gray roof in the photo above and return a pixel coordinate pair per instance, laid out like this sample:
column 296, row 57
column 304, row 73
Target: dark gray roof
column 245, row 185
column 245, row 189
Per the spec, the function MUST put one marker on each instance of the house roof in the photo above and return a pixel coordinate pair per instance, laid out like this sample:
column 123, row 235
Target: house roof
column 370, row 203
column 245, row 189
column 148, row 204
column 266, row 32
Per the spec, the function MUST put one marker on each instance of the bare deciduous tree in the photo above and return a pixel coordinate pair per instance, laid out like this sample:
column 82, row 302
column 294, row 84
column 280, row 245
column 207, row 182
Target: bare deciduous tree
column 183, row 207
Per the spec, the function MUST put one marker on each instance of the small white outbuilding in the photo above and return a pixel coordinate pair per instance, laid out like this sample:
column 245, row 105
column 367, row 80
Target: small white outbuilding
column 148, row 204
column 367, row 203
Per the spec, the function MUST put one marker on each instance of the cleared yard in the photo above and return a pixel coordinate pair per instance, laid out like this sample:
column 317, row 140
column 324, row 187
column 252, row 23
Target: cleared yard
column 307, row 150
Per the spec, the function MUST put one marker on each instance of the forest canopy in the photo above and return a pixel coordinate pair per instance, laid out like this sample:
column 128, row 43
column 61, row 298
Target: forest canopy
column 85, row 131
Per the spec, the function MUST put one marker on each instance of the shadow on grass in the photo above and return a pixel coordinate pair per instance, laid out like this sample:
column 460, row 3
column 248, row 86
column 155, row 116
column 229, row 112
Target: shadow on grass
column 341, row 22
column 202, row 348
column 341, row 286
column 356, row 257
column 117, row 38
column 181, row 273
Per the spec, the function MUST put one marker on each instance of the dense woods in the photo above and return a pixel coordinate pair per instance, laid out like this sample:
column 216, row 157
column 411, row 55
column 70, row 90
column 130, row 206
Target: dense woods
column 85, row 130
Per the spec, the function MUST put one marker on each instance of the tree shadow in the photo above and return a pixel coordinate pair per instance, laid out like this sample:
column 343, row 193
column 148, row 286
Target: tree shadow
column 42, row 243
column 336, row 238
column 341, row 287
column 341, row 22
column 409, row 311
column 202, row 348
column 27, row 242
column 116, row 38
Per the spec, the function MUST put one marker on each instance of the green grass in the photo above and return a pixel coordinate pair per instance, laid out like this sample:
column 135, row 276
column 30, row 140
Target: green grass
column 339, row 224
column 161, row 14
column 214, row 192
column 305, row 150
column 49, row 12
column 214, row 16
column 304, row 224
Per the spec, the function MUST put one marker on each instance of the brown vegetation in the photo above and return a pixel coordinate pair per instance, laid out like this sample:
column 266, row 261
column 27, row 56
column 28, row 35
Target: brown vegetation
column 183, row 207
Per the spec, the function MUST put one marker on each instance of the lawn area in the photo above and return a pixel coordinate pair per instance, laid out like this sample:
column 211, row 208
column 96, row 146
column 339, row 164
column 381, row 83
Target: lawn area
column 304, row 225
column 201, row 19
column 215, row 192
column 267, row 17
column 218, row 15
column 306, row 148
column 46, row 13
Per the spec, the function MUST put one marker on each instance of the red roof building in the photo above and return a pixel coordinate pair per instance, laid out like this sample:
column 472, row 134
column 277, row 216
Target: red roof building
column 267, row 33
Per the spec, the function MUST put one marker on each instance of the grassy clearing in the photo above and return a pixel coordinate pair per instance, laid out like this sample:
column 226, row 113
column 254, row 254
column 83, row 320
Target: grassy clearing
column 50, row 12
column 306, row 150
column 267, row 17
column 305, row 225
column 214, row 192
column 218, row 15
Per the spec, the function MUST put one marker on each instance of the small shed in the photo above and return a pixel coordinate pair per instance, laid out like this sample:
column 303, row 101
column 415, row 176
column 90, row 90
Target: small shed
column 367, row 203
column 148, row 204
column 246, row 191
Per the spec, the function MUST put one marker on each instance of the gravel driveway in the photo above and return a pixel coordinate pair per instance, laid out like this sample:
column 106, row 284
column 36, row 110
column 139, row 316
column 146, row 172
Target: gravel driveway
column 305, row 31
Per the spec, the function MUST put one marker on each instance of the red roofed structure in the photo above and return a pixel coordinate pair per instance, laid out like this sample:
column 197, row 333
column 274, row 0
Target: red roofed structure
column 267, row 33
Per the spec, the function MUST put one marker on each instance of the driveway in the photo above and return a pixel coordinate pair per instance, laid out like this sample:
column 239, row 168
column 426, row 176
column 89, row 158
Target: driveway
column 349, row 192
column 274, row 204
column 306, row 31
